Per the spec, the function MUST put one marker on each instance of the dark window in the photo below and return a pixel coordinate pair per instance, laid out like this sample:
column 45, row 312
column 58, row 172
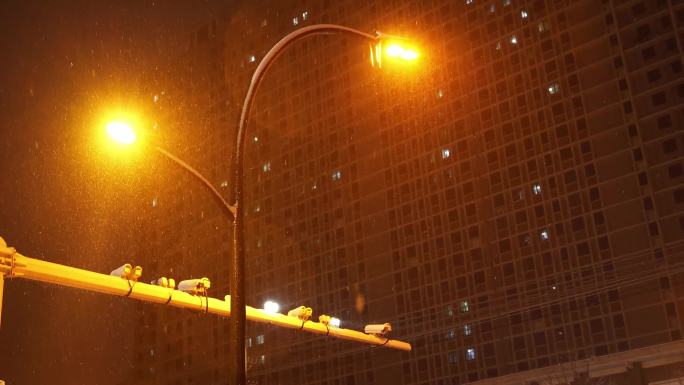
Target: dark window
column 643, row 33
column 643, row 179
column 658, row 98
column 638, row 9
column 648, row 203
column 653, row 75
column 664, row 121
column 623, row 85
column 638, row 156
column 679, row 196
column 633, row 130
column 648, row 53
column 653, row 229
column 675, row 170
column 669, row 146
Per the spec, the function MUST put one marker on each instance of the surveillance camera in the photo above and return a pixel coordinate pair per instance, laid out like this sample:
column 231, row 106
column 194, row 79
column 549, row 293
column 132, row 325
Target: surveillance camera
column 195, row 286
column 136, row 273
column 122, row 271
column 378, row 329
column 164, row 282
column 126, row 271
column 302, row 312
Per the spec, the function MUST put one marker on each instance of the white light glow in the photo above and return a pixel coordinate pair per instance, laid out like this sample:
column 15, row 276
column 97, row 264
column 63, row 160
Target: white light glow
column 271, row 306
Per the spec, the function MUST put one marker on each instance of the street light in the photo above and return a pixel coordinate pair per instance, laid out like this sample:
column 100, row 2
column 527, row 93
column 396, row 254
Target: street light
column 396, row 49
column 271, row 306
column 123, row 132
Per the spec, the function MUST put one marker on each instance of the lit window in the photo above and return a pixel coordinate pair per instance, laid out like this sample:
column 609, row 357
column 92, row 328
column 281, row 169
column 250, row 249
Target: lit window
column 305, row 15
column 248, row 342
column 262, row 359
column 295, row 20
column 450, row 311
column 337, row 175
column 440, row 93
column 445, row 153
column 470, row 354
column 453, row 357
column 267, row 167
column 492, row 8
column 155, row 98
column 544, row 235
column 506, row 2
column 450, row 334
column 498, row 45
column 465, row 307
column 264, row 23
column 151, row 352
column 523, row 14
column 553, row 88
column 154, row 202
column 252, row 58
column 467, row 330
column 256, row 139
column 521, row 195
column 469, row 2
column 224, row 183
column 536, row 189
column 314, row 187
column 260, row 339
column 257, row 208
column 514, row 40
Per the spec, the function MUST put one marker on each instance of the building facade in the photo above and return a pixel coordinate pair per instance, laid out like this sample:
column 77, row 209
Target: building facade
column 511, row 202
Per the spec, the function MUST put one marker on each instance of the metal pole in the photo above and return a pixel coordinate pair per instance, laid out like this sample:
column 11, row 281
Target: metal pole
column 237, row 265
column 227, row 209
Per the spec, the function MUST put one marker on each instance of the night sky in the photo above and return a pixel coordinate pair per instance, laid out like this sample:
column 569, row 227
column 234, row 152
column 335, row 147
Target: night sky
column 63, row 61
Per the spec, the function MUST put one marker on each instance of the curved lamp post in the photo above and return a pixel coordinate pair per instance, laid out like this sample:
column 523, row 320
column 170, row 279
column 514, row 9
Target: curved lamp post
column 123, row 133
column 237, row 278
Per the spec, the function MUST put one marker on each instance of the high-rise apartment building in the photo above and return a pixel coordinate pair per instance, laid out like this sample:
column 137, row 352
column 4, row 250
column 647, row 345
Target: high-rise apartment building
column 511, row 202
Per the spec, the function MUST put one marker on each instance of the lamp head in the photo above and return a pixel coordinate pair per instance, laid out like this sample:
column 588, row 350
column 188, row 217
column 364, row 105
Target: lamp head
column 394, row 48
column 121, row 132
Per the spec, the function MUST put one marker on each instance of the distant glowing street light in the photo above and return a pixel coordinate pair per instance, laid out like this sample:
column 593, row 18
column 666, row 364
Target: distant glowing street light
column 271, row 306
column 335, row 322
column 121, row 132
